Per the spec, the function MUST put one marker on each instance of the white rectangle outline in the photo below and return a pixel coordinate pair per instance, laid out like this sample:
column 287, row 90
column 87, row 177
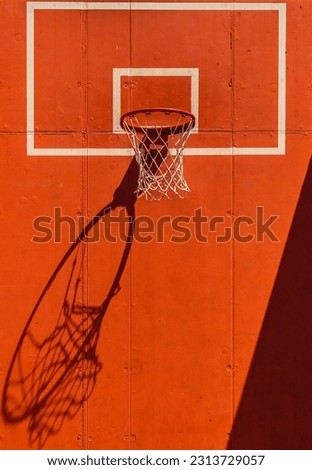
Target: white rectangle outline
column 225, row 6
column 193, row 73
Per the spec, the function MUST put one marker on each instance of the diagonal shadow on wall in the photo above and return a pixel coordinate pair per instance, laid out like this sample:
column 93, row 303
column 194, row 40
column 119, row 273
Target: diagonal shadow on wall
column 50, row 377
column 275, row 411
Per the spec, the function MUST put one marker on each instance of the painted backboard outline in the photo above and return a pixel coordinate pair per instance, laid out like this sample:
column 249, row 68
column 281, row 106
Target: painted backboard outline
column 226, row 6
column 192, row 73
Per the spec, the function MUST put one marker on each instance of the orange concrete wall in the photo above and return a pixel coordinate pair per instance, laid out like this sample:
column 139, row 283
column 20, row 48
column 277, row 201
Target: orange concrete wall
column 171, row 337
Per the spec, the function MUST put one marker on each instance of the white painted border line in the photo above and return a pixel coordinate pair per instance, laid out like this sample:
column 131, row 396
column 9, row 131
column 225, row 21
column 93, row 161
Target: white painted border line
column 122, row 152
column 30, row 79
column 193, row 73
column 183, row 6
column 282, row 79
column 237, row 151
column 225, row 6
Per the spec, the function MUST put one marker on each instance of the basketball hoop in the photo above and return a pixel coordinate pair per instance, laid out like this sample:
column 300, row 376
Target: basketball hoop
column 158, row 138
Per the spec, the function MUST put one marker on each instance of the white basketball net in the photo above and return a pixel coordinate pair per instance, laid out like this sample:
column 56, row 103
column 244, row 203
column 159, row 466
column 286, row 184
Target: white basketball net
column 158, row 138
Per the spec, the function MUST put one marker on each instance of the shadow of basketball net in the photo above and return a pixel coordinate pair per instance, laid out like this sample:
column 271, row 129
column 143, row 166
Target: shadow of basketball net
column 49, row 379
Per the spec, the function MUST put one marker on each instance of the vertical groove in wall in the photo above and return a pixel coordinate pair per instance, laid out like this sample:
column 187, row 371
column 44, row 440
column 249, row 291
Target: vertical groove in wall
column 232, row 246
column 130, row 293
column 130, row 358
column 84, row 204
